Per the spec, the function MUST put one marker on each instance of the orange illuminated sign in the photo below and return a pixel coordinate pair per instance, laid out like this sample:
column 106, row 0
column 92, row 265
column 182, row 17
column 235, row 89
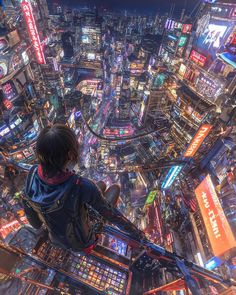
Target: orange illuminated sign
column 197, row 140
column 217, row 226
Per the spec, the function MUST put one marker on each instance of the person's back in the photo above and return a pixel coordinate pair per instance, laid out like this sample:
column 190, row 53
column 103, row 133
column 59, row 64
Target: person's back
column 58, row 198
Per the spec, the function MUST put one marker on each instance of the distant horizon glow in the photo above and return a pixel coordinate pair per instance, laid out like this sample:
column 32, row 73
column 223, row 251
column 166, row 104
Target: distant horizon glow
column 149, row 7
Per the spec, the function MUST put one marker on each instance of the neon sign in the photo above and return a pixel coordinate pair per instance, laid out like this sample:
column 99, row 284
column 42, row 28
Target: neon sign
column 33, row 32
column 197, row 140
column 4, row 130
column 170, row 177
column 170, row 24
column 186, row 28
column 151, row 198
column 3, row 69
column 182, row 41
column 172, row 37
column 9, row 90
column 7, row 104
column 213, row 263
column 198, row 58
column 218, row 229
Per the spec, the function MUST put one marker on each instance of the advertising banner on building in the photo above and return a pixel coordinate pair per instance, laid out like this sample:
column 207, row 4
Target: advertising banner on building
column 218, row 229
column 33, row 32
column 151, row 198
column 171, row 176
column 198, row 58
column 198, row 140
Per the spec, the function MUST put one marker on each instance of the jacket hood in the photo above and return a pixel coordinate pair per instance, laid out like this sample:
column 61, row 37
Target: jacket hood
column 47, row 191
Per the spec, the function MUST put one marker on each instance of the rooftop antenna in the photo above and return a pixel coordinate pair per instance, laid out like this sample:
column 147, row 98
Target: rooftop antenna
column 183, row 11
column 196, row 6
column 172, row 7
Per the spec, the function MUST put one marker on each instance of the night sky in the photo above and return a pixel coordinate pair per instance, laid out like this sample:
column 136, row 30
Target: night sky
column 141, row 6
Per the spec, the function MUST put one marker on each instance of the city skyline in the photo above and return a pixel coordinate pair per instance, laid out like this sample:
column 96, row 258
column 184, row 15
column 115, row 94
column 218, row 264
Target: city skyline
column 145, row 7
column 117, row 135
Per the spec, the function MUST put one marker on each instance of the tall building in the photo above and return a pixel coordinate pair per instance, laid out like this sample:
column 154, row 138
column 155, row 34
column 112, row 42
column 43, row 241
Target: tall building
column 203, row 118
column 19, row 121
column 175, row 38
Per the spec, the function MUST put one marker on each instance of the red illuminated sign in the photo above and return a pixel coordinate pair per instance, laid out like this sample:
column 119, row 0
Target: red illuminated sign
column 198, row 58
column 233, row 40
column 218, row 229
column 186, row 28
column 33, row 32
column 197, row 140
column 7, row 104
column 9, row 90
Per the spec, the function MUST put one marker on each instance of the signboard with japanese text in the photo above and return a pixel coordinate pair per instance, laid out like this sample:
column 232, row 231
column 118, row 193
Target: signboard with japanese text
column 198, row 58
column 198, row 140
column 218, row 229
column 33, row 32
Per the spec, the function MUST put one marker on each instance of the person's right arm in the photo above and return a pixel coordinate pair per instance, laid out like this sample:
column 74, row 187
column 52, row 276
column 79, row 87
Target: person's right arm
column 92, row 195
column 31, row 215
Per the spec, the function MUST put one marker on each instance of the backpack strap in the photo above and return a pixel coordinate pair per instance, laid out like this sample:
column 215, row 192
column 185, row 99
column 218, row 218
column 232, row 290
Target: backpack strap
column 30, row 179
column 75, row 196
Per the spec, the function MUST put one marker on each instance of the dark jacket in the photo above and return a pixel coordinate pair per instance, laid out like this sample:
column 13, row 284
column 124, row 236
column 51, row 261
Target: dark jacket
column 61, row 204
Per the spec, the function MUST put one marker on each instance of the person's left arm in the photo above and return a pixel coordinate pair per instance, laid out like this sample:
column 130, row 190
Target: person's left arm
column 93, row 196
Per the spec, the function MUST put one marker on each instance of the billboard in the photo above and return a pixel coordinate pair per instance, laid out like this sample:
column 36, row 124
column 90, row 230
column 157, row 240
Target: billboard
column 186, row 28
column 91, row 56
column 229, row 58
column 25, row 57
column 151, row 198
column 178, row 26
column 7, row 104
column 33, row 32
column 170, row 177
column 198, row 139
column 211, row 36
column 208, row 87
column 229, row 52
column 170, row 24
column 9, row 90
column 4, row 130
column 218, row 229
column 3, row 69
column 182, row 41
column 198, row 58
column 182, row 70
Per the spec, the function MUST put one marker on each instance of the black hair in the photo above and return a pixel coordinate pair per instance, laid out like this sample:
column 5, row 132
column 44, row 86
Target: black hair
column 55, row 147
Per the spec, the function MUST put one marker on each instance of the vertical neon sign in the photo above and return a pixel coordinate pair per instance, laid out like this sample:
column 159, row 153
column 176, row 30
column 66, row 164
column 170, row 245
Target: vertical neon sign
column 33, row 32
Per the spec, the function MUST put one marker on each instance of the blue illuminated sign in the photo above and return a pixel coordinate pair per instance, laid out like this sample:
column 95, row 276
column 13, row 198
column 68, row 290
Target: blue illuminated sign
column 77, row 114
column 213, row 263
column 229, row 58
column 172, row 37
column 170, row 177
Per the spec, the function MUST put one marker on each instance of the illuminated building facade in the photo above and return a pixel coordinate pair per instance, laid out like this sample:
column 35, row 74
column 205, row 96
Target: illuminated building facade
column 19, row 121
column 127, row 84
column 31, row 82
column 175, row 40
column 201, row 95
column 208, row 71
